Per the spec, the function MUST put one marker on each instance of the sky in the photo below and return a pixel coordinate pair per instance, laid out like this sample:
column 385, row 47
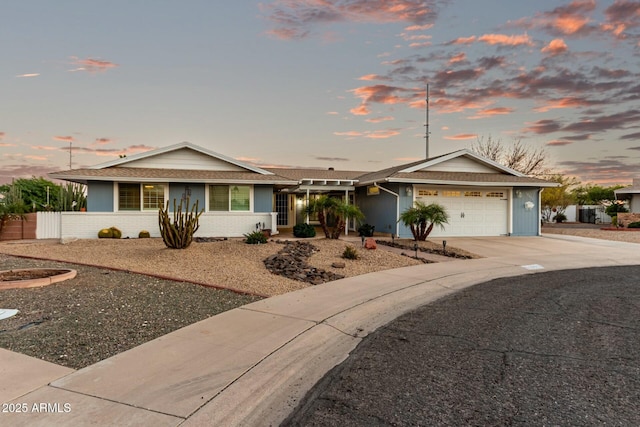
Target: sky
column 320, row 83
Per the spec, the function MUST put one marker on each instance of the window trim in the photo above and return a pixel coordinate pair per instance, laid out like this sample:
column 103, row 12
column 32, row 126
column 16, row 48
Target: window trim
column 116, row 198
column 229, row 187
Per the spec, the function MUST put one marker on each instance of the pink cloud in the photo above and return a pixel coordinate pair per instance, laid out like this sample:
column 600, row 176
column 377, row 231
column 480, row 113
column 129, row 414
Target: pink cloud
column 360, row 110
column 351, row 133
column 294, row 19
column 102, row 141
column 28, row 75
column 64, row 138
column 459, row 57
column 92, row 65
column 505, row 40
column 370, row 77
column 569, row 102
column 380, row 119
column 382, row 134
column 570, row 20
column 559, row 142
column 45, row 147
column 490, row 112
column 463, row 40
column 462, row 136
column 555, row 47
column 2, row 134
column 33, row 157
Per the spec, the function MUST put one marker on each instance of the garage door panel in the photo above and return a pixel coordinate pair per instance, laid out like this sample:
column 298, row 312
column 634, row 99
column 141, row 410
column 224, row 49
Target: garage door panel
column 473, row 214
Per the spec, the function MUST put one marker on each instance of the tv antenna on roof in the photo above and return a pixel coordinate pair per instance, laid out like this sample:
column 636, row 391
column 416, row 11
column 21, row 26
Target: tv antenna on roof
column 426, row 133
column 70, row 154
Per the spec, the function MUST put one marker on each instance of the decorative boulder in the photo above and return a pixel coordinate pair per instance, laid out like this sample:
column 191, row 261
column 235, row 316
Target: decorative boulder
column 370, row 243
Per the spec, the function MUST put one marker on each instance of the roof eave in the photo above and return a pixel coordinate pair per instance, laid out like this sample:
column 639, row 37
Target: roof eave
column 472, row 183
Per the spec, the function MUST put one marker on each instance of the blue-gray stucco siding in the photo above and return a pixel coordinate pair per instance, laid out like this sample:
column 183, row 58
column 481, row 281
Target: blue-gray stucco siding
column 526, row 222
column 179, row 190
column 380, row 210
column 263, row 198
column 100, row 196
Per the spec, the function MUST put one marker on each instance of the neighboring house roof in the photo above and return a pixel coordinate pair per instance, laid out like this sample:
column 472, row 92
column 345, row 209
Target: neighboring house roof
column 633, row 189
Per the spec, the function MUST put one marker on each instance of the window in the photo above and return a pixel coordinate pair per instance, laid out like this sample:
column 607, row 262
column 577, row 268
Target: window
column 240, row 197
column 472, row 194
column 131, row 197
column 128, row 197
column 229, row 198
column 427, row 192
column 219, row 198
column 152, row 196
column 499, row 194
column 449, row 193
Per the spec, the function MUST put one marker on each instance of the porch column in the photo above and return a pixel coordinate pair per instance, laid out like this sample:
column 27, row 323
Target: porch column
column 307, row 206
column 346, row 222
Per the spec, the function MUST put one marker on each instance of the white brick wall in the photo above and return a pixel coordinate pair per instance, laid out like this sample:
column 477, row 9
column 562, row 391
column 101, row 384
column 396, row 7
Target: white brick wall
column 85, row 225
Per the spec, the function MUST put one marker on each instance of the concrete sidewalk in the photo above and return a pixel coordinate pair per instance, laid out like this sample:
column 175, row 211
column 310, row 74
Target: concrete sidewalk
column 251, row 365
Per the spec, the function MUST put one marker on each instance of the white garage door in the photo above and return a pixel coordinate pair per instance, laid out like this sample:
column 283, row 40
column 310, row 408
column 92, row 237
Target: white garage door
column 472, row 211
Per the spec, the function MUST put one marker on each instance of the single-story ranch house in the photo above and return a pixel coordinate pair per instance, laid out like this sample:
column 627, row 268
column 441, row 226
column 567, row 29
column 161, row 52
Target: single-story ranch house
column 482, row 197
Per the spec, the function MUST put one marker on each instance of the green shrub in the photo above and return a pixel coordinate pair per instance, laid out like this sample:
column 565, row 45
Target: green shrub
column 614, row 220
column 304, row 230
column 105, row 233
column 350, row 253
column 255, row 238
column 117, row 234
column 635, row 224
column 560, row 218
column 366, row 230
column 144, row 234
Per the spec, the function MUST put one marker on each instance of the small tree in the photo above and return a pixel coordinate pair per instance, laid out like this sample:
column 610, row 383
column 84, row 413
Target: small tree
column 525, row 159
column 179, row 233
column 556, row 199
column 11, row 204
column 326, row 206
column 422, row 218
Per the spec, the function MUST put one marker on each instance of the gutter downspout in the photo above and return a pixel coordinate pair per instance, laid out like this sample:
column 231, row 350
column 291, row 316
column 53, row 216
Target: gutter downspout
column 375, row 184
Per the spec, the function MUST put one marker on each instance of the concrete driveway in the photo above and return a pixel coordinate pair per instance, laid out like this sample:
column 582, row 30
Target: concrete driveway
column 252, row 365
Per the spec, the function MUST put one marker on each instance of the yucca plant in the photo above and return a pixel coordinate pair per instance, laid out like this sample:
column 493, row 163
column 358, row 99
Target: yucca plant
column 179, row 233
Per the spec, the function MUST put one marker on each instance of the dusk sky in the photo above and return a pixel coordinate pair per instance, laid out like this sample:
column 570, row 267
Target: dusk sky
column 323, row 83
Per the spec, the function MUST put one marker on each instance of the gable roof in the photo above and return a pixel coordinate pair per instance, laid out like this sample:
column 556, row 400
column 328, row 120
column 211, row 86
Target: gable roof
column 129, row 169
column 418, row 172
column 175, row 147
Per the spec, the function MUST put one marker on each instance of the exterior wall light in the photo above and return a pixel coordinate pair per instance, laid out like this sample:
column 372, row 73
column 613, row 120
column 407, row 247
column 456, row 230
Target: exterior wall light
column 408, row 190
column 529, row 205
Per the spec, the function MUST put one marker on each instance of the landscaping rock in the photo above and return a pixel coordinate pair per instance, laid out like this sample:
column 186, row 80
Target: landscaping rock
column 338, row 265
column 291, row 262
column 370, row 243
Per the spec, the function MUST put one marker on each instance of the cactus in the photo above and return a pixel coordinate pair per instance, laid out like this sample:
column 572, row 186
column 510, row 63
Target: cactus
column 144, row 234
column 179, row 233
column 105, row 233
column 117, row 234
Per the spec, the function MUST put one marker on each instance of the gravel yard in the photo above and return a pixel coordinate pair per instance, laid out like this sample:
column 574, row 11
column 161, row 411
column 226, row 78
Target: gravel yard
column 592, row 231
column 102, row 311
column 134, row 290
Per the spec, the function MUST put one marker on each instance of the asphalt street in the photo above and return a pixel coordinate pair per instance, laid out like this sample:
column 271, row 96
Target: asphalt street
column 550, row 348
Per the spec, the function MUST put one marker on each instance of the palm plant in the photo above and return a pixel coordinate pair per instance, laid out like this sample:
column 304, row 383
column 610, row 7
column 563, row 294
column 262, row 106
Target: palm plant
column 326, row 206
column 422, row 218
